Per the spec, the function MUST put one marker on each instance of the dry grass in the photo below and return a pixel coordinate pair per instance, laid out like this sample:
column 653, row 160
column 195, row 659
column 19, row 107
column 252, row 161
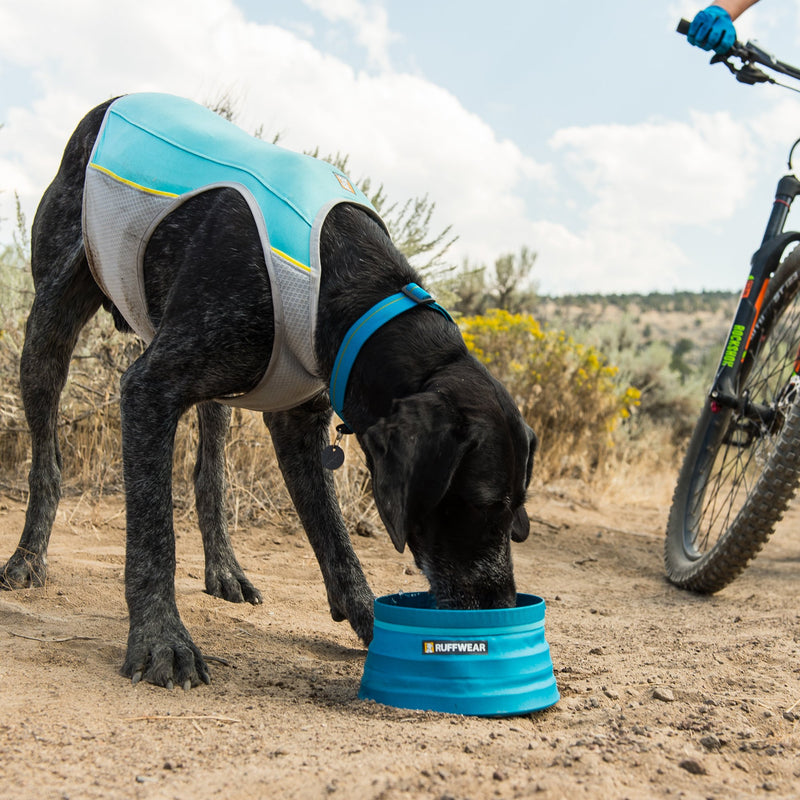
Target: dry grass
column 90, row 438
column 89, row 434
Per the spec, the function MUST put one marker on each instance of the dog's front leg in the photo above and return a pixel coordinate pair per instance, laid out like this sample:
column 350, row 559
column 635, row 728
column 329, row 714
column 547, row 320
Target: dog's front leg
column 299, row 436
column 224, row 576
column 160, row 649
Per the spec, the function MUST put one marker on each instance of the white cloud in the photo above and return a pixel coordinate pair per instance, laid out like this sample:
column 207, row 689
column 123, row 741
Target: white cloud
column 661, row 173
column 779, row 125
column 404, row 132
column 642, row 182
column 370, row 22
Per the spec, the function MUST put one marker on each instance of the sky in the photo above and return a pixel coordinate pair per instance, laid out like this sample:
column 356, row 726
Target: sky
column 589, row 132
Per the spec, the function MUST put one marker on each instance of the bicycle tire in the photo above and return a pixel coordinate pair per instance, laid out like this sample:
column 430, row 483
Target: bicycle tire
column 739, row 475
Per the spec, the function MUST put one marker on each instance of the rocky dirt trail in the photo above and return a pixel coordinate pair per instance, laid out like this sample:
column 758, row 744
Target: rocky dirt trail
column 664, row 694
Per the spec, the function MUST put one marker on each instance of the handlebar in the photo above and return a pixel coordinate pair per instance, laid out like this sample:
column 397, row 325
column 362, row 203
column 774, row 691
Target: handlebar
column 749, row 54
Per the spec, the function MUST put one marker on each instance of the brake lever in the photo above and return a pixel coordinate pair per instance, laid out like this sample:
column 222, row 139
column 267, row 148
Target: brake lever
column 747, row 73
column 750, row 75
column 723, row 59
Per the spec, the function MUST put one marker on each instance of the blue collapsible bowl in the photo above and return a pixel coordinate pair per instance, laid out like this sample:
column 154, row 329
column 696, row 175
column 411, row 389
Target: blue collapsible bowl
column 488, row 662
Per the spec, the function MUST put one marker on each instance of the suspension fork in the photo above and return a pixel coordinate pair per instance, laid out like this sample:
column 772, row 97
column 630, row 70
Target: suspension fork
column 724, row 391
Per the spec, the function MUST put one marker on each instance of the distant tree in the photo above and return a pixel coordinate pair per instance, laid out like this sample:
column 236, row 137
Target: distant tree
column 512, row 290
column 678, row 362
column 467, row 290
column 409, row 226
column 508, row 288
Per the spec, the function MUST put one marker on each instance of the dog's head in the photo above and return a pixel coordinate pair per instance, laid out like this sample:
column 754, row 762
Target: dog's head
column 450, row 468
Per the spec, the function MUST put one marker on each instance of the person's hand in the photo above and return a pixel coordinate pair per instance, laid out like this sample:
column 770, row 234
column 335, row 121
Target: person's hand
column 712, row 29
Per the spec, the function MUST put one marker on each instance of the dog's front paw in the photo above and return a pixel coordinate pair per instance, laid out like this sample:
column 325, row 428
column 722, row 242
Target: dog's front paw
column 231, row 584
column 166, row 658
column 358, row 609
column 23, row 570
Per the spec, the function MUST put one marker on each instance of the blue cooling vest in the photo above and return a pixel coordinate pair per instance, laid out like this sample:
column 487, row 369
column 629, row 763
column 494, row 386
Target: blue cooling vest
column 153, row 152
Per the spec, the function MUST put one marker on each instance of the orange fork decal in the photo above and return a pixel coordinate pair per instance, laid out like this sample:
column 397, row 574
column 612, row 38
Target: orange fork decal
column 759, row 302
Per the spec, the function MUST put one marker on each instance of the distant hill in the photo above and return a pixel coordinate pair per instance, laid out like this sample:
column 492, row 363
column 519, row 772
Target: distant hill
column 654, row 301
column 703, row 317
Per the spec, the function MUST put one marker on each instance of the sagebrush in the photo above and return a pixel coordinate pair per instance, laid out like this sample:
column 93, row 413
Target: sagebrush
column 578, row 403
column 566, row 390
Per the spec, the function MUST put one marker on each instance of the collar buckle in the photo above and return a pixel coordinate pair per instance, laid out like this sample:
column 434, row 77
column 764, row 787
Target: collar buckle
column 416, row 293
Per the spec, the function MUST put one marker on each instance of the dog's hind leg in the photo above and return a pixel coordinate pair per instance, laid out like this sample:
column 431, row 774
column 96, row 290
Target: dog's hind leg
column 66, row 298
column 299, row 437
column 224, row 577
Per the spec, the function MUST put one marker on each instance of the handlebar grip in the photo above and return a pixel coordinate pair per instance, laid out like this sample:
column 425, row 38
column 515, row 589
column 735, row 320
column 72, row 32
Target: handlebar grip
column 683, row 26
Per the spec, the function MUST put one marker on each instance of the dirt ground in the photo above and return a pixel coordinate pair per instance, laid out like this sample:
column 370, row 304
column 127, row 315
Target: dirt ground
column 663, row 694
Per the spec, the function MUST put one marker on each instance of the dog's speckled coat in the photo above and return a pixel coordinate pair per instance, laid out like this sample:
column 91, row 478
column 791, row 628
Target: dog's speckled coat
column 449, row 453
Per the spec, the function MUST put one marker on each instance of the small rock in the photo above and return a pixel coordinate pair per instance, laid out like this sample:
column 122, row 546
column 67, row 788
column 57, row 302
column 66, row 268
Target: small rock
column 597, row 651
column 711, row 742
column 693, row 767
column 364, row 528
column 611, row 694
column 790, row 715
column 664, row 694
column 499, row 775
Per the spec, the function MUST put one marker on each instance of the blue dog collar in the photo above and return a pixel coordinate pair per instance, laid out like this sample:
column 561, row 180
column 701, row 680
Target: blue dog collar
column 409, row 297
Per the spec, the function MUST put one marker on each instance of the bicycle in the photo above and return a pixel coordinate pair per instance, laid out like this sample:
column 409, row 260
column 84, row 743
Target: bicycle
column 742, row 464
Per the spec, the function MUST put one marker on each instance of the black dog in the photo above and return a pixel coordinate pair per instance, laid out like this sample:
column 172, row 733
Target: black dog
column 448, row 451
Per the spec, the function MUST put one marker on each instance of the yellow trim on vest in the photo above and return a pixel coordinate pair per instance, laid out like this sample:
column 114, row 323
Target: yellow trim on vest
column 131, row 183
column 290, row 259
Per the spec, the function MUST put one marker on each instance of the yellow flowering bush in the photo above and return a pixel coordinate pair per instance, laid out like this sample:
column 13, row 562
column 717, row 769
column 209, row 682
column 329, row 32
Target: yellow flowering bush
column 567, row 391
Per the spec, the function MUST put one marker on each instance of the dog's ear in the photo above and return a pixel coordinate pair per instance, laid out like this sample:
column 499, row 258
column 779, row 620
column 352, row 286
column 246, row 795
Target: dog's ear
column 414, row 453
column 521, row 526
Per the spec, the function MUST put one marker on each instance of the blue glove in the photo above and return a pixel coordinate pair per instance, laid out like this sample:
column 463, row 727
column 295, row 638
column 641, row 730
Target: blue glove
column 712, row 29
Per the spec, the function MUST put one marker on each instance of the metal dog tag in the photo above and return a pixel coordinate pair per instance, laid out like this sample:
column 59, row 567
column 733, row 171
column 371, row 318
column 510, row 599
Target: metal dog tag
column 332, row 457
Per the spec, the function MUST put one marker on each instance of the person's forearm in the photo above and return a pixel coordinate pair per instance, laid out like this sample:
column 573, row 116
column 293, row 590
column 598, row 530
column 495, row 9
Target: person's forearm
column 735, row 7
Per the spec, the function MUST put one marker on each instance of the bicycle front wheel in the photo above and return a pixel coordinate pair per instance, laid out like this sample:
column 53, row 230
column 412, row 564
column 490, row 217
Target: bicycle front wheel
column 742, row 467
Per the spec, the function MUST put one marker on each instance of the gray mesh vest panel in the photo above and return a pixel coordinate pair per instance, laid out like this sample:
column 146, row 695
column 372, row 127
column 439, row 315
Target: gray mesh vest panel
column 118, row 221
